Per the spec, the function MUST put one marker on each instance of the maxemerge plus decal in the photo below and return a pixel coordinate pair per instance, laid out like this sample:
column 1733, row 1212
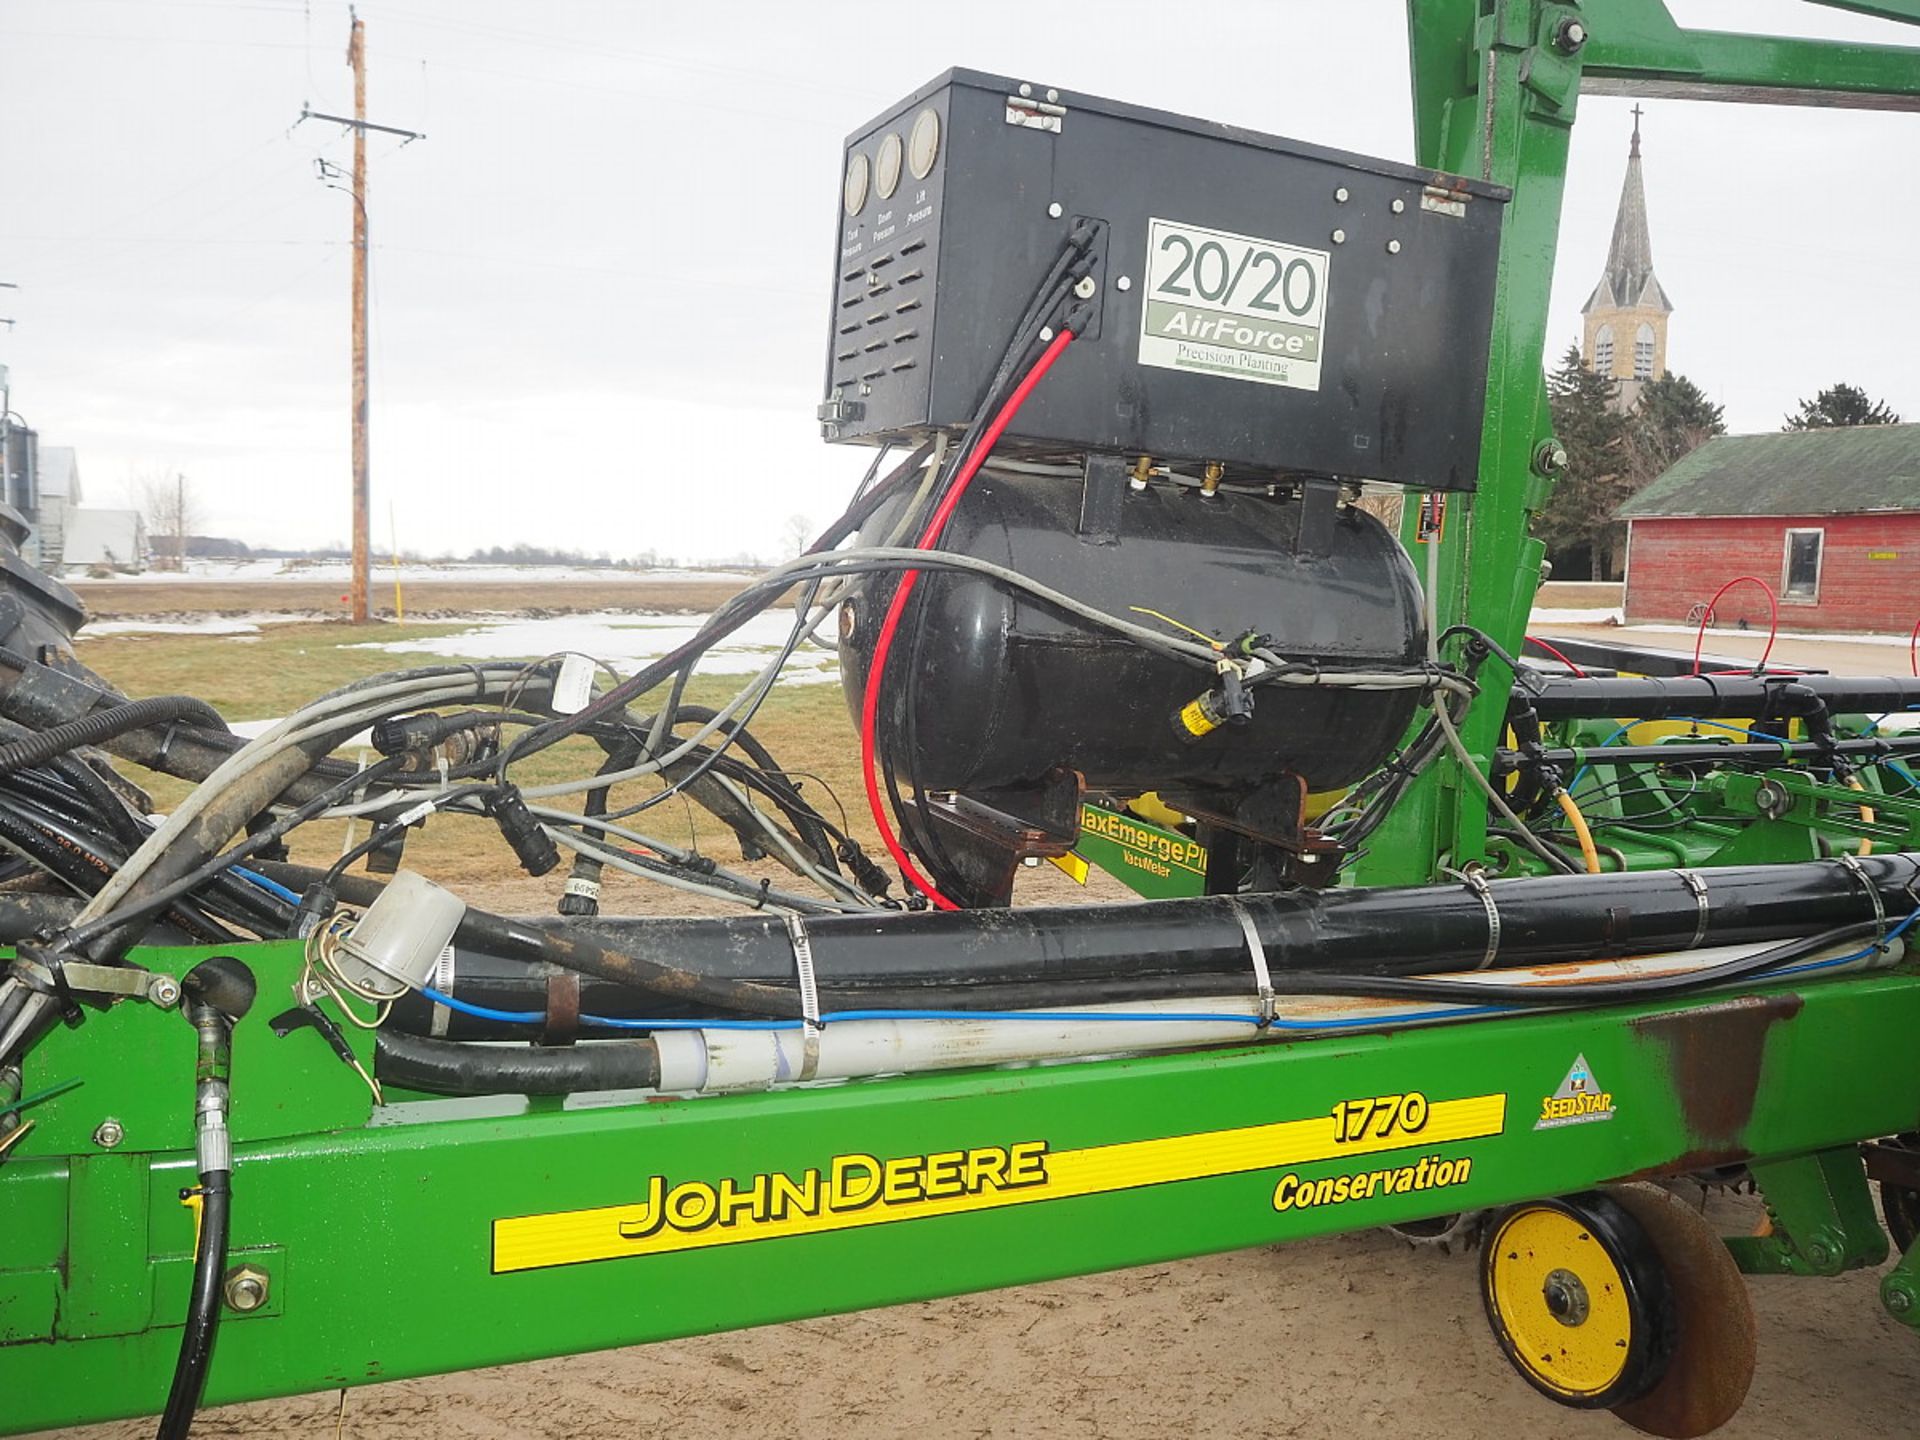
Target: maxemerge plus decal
column 1233, row 305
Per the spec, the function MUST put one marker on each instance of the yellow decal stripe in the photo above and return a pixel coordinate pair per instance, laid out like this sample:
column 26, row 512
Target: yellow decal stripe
column 533, row 1241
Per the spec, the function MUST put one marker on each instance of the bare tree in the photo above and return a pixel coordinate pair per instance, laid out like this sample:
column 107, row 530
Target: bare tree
column 798, row 533
column 173, row 512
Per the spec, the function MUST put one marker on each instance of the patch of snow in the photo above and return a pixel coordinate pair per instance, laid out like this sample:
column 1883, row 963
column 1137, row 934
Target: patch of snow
column 1576, row 617
column 211, row 625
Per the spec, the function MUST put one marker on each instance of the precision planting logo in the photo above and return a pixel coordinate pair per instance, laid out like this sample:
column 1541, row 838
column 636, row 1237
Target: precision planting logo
column 1578, row 1101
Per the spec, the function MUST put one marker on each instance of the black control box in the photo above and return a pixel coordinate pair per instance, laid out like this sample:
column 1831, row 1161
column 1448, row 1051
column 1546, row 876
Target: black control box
column 1272, row 306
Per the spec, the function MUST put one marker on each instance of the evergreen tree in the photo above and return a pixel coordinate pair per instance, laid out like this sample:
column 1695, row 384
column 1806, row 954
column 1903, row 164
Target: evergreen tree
column 1579, row 512
column 1840, row 405
column 1672, row 418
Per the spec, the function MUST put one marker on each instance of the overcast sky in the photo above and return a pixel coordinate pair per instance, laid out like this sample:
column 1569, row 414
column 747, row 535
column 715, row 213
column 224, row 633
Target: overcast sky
column 600, row 285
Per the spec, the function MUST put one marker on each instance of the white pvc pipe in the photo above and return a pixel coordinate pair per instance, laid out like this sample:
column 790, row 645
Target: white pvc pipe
column 716, row 1061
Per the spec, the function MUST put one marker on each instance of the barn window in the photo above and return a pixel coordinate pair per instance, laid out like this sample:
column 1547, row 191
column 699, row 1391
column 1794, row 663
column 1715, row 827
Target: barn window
column 1643, row 353
column 1800, row 577
column 1603, row 350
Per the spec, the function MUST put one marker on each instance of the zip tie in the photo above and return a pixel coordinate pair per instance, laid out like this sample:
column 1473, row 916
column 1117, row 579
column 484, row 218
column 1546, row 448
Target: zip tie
column 1697, row 883
column 810, row 1025
column 1262, row 979
column 1852, row 862
column 1475, row 881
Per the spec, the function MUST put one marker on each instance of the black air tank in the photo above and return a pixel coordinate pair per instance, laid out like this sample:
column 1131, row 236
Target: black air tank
column 987, row 689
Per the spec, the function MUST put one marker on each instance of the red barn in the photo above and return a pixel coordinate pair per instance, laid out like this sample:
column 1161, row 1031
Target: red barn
column 1829, row 519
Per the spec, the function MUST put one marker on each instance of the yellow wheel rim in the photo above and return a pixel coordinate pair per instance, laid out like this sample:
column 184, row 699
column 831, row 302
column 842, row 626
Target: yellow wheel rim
column 1561, row 1301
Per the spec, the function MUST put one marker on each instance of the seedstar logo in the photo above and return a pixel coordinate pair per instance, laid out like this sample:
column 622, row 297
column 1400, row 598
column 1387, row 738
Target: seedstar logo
column 1578, row 1101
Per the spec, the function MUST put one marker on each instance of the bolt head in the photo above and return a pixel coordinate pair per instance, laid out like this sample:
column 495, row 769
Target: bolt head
column 1399, row 207
column 247, row 1288
column 1046, row 332
column 1569, row 36
column 1026, row 91
column 1125, row 282
column 1055, row 210
column 1339, row 237
column 1393, row 247
column 1898, row 1299
column 164, row 991
column 108, row 1133
column 1340, row 196
column 1053, row 97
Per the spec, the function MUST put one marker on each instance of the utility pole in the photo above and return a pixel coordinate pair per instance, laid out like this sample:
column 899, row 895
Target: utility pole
column 362, row 579
column 360, row 125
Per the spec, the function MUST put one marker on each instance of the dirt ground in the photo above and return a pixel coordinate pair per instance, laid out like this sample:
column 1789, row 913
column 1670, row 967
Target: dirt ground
column 1329, row 1338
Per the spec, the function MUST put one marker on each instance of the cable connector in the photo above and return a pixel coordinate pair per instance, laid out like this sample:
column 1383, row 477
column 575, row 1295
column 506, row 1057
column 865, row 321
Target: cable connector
column 448, row 741
column 870, row 877
column 581, row 898
column 316, row 907
column 1228, row 703
column 532, row 846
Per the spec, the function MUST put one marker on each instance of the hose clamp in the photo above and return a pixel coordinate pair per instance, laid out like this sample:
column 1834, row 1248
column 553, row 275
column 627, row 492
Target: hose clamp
column 1859, row 872
column 810, row 1024
column 1257, row 951
column 1476, row 881
column 1703, row 909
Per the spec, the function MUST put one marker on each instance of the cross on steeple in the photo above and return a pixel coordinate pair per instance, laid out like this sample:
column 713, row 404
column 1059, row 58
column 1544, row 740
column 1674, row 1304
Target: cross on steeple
column 1637, row 113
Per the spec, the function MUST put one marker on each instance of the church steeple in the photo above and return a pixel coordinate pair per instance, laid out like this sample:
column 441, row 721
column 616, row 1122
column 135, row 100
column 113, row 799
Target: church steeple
column 1626, row 315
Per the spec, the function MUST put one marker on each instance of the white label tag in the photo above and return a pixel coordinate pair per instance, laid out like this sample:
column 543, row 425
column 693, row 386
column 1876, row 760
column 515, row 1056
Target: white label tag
column 573, row 686
column 1233, row 305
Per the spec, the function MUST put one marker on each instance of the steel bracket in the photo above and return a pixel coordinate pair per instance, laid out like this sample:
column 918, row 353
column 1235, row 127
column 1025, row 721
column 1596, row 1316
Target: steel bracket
column 1823, row 1222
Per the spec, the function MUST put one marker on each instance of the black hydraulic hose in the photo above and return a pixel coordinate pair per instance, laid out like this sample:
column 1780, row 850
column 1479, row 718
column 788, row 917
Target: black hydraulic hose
column 447, row 1067
column 745, row 963
column 203, row 1309
column 582, row 894
column 1707, row 752
column 1784, row 697
column 104, row 725
column 466, row 1069
column 101, row 799
column 218, row 992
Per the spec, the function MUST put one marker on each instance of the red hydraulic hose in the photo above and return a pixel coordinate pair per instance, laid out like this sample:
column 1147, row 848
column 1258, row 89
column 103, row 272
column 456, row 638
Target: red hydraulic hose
column 1554, row 651
column 1773, row 625
column 876, row 668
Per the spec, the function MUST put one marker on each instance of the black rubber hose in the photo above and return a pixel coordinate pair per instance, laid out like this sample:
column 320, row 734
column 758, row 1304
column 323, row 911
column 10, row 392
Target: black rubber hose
column 745, row 963
column 104, row 725
column 102, row 799
column 203, row 1310
column 447, row 1067
column 572, row 948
